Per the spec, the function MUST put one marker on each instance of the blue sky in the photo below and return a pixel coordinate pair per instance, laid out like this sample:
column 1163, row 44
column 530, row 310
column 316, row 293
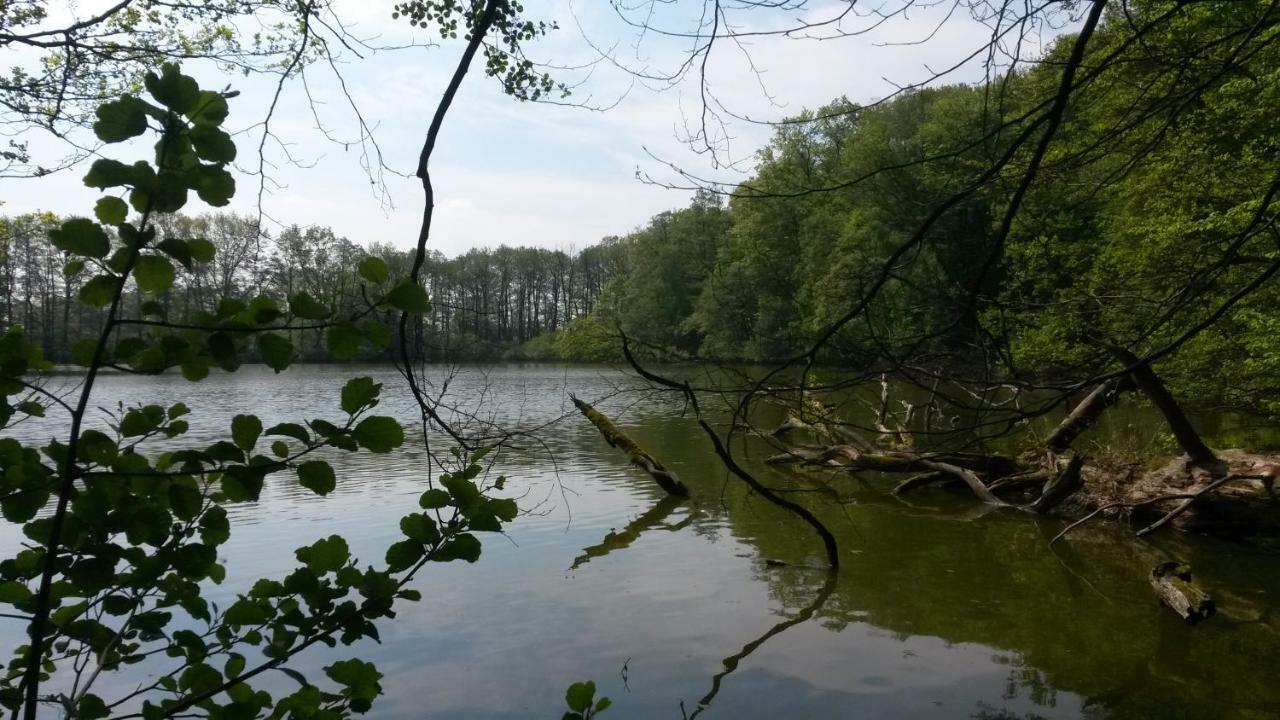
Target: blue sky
column 533, row 174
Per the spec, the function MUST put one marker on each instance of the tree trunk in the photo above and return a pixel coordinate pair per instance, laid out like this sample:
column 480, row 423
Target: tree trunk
column 1151, row 386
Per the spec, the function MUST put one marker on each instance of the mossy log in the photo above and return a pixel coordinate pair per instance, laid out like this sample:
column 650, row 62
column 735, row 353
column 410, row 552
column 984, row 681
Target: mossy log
column 638, row 456
column 1173, row 585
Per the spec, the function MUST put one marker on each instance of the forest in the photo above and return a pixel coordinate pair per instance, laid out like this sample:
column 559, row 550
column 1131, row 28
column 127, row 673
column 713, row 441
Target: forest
column 1124, row 243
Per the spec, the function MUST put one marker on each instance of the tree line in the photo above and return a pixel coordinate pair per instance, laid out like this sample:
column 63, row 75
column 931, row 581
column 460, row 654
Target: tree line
column 484, row 303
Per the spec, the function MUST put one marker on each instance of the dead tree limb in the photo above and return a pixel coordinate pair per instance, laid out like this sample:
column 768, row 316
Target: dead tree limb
column 638, row 456
column 1187, row 502
column 970, row 478
column 1084, row 415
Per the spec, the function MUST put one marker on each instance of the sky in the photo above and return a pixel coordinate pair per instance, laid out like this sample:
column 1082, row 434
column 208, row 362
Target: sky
column 535, row 174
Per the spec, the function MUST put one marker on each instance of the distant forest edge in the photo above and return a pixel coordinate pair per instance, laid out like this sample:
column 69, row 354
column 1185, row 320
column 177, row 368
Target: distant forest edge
column 759, row 272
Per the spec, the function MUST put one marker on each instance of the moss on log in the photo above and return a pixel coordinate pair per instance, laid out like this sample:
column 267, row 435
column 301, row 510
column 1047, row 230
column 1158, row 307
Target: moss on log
column 638, row 456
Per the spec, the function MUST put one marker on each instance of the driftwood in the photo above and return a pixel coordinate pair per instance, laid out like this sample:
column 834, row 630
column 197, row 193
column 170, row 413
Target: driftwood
column 1173, row 585
column 638, row 456
column 853, row 458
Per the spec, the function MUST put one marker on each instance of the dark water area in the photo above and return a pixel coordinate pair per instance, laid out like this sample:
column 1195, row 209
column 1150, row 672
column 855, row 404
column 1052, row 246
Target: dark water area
column 942, row 609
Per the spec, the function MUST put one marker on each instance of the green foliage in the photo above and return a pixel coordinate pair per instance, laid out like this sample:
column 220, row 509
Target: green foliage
column 581, row 699
column 117, row 571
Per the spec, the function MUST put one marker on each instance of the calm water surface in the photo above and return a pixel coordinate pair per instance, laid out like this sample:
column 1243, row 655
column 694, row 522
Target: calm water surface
column 705, row 607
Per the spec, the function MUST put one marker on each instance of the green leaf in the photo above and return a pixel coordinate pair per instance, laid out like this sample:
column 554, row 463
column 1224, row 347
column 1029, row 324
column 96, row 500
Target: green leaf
column 91, row 707
column 99, row 291
column 317, row 476
column 32, row 408
column 210, row 109
column 360, row 680
column 343, row 341
column 245, row 430
column 235, row 665
column 185, row 500
column 409, row 297
column 420, row 527
column 280, row 448
column 460, row 547
column 154, row 273
column 292, row 430
column 212, row 144
column 195, row 371
column 81, row 237
column 214, row 185
column 358, row 393
column 96, row 447
column 306, row 307
column 176, row 249
column 201, row 249
column 140, row 421
column 328, row 555
column 602, row 704
column 276, row 351
column 379, row 434
column 579, row 696
column 119, row 120
column 372, row 269
column 434, row 499
column 111, row 210
column 402, row 555
column 172, row 89
column 105, row 174
column 14, row 592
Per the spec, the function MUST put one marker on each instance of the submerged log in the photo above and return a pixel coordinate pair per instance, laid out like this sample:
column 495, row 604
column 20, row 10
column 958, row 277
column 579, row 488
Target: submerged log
column 638, row 456
column 1173, row 585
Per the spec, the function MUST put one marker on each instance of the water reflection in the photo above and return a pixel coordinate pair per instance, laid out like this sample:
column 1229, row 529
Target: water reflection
column 935, row 614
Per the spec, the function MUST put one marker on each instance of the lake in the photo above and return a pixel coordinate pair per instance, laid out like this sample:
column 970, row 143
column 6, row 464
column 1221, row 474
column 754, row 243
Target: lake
column 941, row 610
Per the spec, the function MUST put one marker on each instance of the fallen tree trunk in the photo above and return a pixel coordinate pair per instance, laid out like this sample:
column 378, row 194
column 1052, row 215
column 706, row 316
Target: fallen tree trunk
column 638, row 456
column 1173, row 585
